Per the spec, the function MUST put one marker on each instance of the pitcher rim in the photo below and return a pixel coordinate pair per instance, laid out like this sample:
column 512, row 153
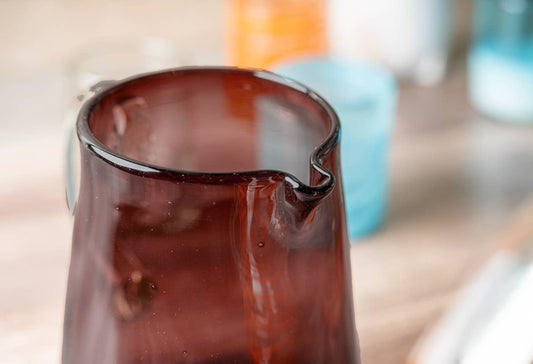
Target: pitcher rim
column 92, row 143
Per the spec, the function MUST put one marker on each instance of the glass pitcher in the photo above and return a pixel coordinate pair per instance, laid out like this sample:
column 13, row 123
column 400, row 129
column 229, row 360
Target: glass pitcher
column 210, row 224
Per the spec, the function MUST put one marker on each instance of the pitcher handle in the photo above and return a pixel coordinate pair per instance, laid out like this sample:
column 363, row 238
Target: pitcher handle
column 71, row 176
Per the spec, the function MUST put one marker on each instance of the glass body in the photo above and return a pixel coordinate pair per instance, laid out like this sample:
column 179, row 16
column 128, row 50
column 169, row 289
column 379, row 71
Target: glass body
column 210, row 225
column 264, row 32
column 500, row 62
column 364, row 96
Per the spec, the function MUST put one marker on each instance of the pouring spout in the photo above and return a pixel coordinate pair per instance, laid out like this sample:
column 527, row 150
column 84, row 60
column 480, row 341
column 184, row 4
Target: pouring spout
column 302, row 198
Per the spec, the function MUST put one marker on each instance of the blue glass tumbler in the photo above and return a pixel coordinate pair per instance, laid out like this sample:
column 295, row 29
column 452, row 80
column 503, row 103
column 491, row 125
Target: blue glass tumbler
column 500, row 60
column 364, row 96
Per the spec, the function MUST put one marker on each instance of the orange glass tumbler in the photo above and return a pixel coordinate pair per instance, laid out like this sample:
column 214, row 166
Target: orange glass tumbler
column 264, row 32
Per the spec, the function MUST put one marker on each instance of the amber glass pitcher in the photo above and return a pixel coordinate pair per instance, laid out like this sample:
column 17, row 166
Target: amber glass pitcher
column 209, row 226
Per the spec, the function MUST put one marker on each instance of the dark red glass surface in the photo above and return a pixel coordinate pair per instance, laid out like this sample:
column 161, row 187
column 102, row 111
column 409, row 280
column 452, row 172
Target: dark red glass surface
column 210, row 225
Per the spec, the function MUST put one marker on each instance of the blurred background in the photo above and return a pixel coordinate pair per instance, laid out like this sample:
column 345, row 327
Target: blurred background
column 457, row 160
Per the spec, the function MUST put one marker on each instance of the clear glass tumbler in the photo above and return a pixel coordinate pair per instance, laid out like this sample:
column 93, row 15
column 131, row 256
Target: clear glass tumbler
column 111, row 60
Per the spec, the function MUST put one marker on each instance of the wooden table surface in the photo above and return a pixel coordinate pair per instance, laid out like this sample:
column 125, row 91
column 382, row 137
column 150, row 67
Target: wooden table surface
column 455, row 177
